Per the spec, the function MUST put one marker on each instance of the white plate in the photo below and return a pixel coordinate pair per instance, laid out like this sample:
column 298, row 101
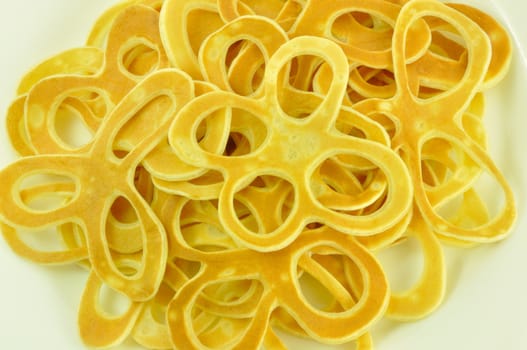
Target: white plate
column 486, row 302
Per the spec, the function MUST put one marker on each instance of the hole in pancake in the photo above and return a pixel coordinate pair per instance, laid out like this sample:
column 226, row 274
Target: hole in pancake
column 445, row 165
column 139, row 57
column 144, row 184
column 237, row 144
column 201, row 228
column 247, row 133
column 315, row 292
column 265, row 204
column 439, row 160
column 128, row 264
column 245, row 64
column 93, row 104
column 301, row 71
column 356, row 125
column 296, row 95
column 112, row 302
column 70, row 123
column 329, row 280
column 348, row 184
column 46, row 191
column 48, row 239
column 123, row 211
column 123, row 228
column 73, row 235
column 232, row 52
column 223, row 311
column 366, row 82
column 443, row 65
column 462, row 190
column 477, row 206
column 389, row 123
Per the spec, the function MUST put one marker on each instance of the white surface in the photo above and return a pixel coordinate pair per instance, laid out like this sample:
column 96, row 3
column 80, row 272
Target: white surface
column 486, row 304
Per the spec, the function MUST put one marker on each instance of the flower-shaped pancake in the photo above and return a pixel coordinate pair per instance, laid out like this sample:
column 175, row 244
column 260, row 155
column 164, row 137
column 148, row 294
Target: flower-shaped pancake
column 291, row 149
column 96, row 180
